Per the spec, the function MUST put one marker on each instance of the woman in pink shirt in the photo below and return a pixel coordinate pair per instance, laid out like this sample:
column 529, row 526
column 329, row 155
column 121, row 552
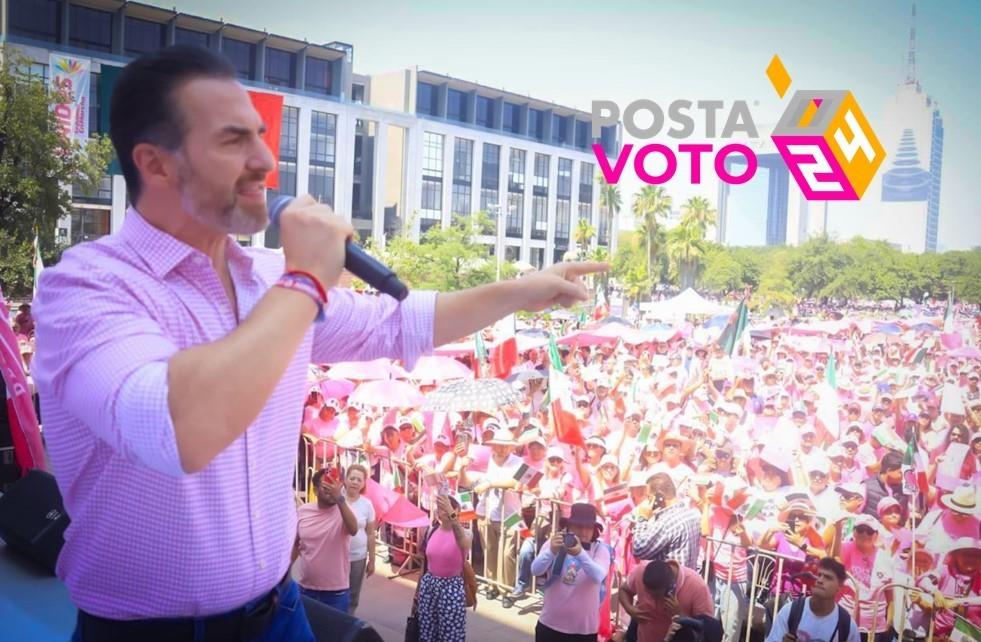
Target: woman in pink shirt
column 440, row 601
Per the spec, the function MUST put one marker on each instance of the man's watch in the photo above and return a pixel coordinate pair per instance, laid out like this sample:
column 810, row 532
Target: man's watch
column 342, row 499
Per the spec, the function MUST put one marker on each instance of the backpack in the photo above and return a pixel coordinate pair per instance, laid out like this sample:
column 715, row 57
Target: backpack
column 840, row 634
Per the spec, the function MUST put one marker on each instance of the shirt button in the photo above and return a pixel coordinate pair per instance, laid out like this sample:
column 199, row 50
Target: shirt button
column 256, row 513
column 262, row 565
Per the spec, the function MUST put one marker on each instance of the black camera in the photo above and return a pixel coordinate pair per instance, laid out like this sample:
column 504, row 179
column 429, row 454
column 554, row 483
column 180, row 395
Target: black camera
column 569, row 540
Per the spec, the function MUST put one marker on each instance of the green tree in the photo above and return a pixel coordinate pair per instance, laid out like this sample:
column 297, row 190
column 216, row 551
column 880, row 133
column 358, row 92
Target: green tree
column 723, row 273
column 583, row 236
column 651, row 204
column 817, row 264
column 610, row 201
column 36, row 165
column 699, row 213
column 686, row 250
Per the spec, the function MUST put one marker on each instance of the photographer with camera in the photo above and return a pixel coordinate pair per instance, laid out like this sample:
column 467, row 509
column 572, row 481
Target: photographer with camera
column 665, row 598
column 577, row 566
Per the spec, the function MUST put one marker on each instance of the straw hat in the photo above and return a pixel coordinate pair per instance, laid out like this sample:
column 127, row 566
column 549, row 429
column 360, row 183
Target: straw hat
column 502, row 438
column 962, row 500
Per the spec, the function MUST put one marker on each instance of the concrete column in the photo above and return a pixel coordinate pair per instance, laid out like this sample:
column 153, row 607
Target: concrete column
column 529, row 177
column 172, row 30
column 523, row 120
column 472, row 107
column 64, row 36
column 547, row 126
column 550, row 234
column 260, row 60
column 217, row 38
column 301, row 69
column 303, row 150
column 442, row 100
column 477, row 176
column 498, row 113
column 379, row 181
column 344, row 164
column 412, row 179
column 446, row 215
column 118, row 31
column 118, row 212
column 344, row 90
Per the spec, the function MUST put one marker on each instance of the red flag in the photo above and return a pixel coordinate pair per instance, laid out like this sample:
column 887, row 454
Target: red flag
column 270, row 108
column 605, row 624
column 24, row 431
column 565, row 425
column 382, row 499
column 503, row 358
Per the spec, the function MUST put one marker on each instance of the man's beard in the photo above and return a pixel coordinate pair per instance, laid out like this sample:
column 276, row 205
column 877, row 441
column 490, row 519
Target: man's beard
column 220, row 212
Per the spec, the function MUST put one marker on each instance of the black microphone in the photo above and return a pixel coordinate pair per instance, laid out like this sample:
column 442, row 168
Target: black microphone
column 356, row 260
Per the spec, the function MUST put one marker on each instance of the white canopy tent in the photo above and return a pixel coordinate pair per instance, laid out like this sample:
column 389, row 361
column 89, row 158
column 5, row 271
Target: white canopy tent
column 688, row 302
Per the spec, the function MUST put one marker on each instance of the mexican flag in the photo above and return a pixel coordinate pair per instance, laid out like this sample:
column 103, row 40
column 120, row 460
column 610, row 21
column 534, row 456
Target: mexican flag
column 468, row 511
column 616, row 493
column 479, row 353
column 734, row 329
column 602, row 308
column 564, row 423
column 554, row 358
column 830, row 373
column 949, row 313
column 527, row 475
column 504, row 355
column 964, row 631
column 38, row 263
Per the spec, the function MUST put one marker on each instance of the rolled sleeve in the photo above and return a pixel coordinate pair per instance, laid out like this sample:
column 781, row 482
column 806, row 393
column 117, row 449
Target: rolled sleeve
column 359, row 327
column 103, row 359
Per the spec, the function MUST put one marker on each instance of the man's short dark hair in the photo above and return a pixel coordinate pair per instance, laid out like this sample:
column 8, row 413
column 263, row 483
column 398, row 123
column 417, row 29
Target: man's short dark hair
column 317, row 476
column 661, row 484
column 142, row 108
column 836, row 567
column 658, row 576
column 892, row 460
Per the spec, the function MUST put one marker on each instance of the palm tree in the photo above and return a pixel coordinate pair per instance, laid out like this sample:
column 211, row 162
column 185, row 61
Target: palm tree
column 686, row 249
column 650, row 205
column 609, row 200
column 583, row 235
column 601, row 255
column 698, row 212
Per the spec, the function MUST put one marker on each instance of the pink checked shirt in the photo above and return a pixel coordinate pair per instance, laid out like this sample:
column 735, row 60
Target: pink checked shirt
column 146, row 539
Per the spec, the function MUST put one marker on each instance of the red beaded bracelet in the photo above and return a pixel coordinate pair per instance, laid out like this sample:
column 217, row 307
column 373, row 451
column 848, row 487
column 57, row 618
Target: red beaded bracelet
column 316, row 283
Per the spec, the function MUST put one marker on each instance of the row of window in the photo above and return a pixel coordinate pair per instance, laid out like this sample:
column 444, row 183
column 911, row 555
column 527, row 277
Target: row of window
column 564, row 129
column 91, row 29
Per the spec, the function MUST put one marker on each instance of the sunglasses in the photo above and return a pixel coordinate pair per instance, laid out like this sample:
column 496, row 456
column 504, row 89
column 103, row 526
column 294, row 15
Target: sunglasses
column 671, row 444
column 865, row 530
column 818, row 476
column 722, row 455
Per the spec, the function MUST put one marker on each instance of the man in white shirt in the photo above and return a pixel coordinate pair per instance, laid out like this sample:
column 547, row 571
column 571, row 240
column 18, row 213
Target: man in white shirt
column 821, row 618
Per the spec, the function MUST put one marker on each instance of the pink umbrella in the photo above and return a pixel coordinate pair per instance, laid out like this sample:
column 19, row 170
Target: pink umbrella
column 436, row 368
column 363, row 370
column 390, row 393
column 965, row 352
column 336, row 388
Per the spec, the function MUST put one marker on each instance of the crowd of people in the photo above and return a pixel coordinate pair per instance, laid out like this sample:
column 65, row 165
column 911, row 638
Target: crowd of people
column 843, row 449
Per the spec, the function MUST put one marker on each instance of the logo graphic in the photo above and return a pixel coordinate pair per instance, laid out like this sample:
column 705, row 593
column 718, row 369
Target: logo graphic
column 69, row 65
column 825, row 140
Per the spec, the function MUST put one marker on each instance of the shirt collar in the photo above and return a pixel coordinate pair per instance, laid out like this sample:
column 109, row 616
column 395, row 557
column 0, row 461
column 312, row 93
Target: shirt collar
column 162, row 252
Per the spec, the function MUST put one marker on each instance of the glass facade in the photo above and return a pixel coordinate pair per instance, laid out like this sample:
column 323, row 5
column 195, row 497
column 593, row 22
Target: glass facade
column 485, row 112
column 536, row 124
column 319, row 76
column 289, row 135
column 560, row 129
column 143, row 36
column 539, row 217
column 323, row 144
column 89, row 28
column 537, row 256
column 189, row 37
column 88, row 224
column 432, row 176
column 426, row 95
column 585, row 191
column 36, row 19
column 582, row 134
column 490, row 178
column 563, row 223
column 462, row 175
column 242, row 56
column 515, row 221
column 280, row 68
column 456, row 105
column 512, row 118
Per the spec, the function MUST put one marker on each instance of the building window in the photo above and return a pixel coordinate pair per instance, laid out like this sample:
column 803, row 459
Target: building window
column 537, row 257
column 491, row 169
column 541, row 175
column 563, row 223
column 241, row 55
column 564, row 184
column 432, row 176
column 603, row 234
column 357, row 93
column 190, row 37
column 516, row 171
column 462, row 175
column 582, row 134
column 143, row 36
column 536, row 124
column 319, row 76
column 426, row 99
column 323, row 142
column 515, row 227
column 539, row 217
column 512, row 118
column 586, row 182
column 585, row 211
column 488, row 202
column 280, row 68
column 37, row 19
column 456, row 105
column 101, row 193
column 560, row 129
column 95, row 104
column 485, row 112
column 90, row 28
column 289, row 133
column 89, row 224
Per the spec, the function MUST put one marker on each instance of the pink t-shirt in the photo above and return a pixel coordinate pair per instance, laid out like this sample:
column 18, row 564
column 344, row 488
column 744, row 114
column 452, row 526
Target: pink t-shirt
column 443, row 557
column 324, row 545
column 693, row 599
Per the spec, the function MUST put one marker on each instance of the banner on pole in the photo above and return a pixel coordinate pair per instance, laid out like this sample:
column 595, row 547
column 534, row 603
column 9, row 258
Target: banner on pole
column 70, row 78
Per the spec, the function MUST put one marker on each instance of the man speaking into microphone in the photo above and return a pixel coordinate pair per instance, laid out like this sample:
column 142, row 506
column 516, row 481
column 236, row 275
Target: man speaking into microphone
column 171, row 364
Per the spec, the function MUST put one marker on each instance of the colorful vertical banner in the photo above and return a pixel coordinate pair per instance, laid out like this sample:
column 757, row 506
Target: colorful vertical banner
column 270, row 108
column 70, row 78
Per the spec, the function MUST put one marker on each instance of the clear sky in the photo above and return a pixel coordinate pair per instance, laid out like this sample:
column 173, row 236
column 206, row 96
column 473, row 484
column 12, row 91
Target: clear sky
column 572, row 52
